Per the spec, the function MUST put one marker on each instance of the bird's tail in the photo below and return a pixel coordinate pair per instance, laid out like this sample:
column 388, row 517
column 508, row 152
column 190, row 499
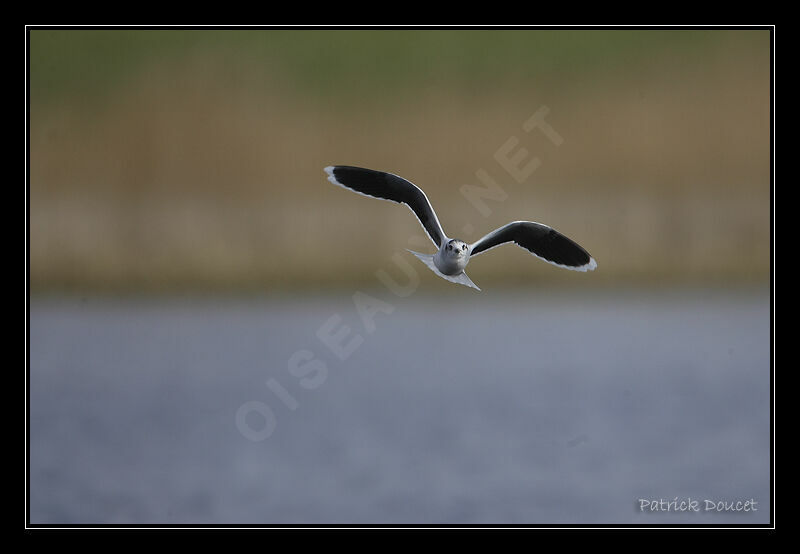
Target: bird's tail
column 461, row 278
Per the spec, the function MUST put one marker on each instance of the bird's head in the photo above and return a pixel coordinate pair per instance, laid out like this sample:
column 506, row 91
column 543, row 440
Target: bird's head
column 456, row 249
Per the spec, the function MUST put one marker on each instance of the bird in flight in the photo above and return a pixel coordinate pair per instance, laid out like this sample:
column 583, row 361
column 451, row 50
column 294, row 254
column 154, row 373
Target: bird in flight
column 453, row 255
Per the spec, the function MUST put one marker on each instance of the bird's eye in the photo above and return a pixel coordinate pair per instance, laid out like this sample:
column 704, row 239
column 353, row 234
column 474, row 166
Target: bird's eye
column 464, row 247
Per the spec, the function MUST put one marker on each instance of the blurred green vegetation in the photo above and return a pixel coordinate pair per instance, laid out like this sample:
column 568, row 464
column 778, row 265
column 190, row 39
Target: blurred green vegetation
column 321, row 63
column 174, row 159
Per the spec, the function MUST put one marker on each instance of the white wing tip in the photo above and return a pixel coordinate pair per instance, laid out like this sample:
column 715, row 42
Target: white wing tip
column 331, row 178
column 591, row 266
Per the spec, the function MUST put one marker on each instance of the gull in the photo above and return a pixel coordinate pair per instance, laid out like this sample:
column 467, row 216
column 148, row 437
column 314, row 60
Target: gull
column 453, row 255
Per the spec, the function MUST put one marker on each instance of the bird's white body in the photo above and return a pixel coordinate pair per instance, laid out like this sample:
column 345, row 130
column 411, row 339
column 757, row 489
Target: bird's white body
column 453, row 267
column 449, row 262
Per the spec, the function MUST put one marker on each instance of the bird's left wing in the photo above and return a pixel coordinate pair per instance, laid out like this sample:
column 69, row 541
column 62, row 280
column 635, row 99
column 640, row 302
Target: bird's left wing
column 540, row 240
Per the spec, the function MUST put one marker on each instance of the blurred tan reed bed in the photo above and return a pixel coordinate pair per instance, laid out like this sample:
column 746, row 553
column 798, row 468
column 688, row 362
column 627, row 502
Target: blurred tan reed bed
column 193, row 173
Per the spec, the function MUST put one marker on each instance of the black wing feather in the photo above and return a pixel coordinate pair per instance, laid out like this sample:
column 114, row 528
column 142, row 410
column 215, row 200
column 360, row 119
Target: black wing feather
column 542, row 241
column 387, row 186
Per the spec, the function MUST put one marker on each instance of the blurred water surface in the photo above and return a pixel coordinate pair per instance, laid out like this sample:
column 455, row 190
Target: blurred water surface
column 470, row 408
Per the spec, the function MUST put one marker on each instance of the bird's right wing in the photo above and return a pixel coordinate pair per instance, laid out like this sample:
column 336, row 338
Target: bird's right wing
column 379, row 184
